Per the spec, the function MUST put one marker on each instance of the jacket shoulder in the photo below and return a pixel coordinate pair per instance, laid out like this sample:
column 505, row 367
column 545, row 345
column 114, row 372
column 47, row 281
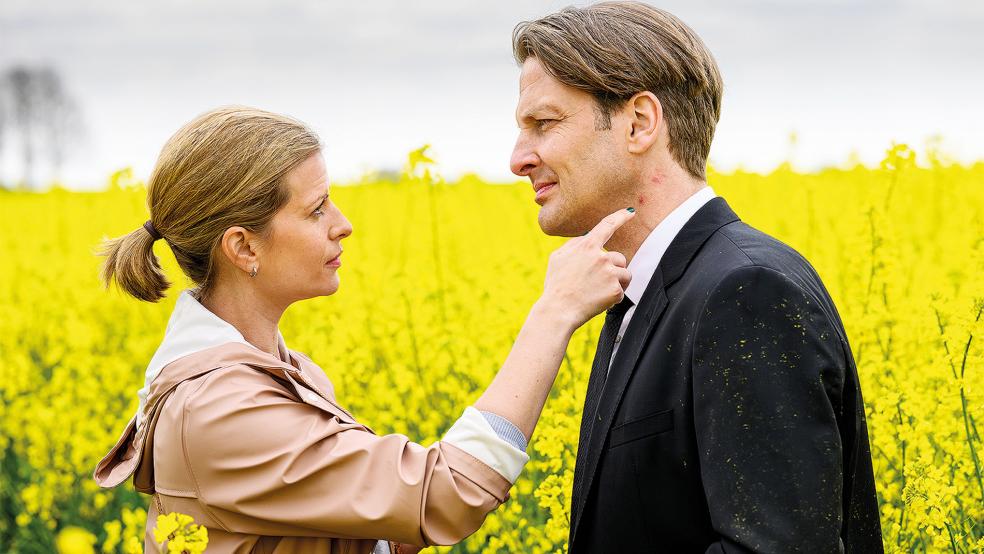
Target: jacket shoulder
column 738, row 252
column 738, row 245
column 241, row 411
column 759, row 248
column 236, row 387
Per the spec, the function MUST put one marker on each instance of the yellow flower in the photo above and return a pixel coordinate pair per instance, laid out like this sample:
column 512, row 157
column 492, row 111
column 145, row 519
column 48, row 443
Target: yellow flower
column 439, row 282
column 114, row 531
column 75, row 540
column 179, row 533
column 167, row 524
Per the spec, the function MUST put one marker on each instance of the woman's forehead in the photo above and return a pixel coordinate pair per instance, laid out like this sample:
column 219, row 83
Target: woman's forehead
column 309, row 180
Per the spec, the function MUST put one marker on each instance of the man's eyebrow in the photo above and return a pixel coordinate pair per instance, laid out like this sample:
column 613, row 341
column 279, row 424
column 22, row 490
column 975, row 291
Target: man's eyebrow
column 549, row 110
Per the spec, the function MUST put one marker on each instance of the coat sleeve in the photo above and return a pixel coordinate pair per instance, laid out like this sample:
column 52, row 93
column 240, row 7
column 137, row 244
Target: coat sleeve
column 265, row 463
column 768, row 371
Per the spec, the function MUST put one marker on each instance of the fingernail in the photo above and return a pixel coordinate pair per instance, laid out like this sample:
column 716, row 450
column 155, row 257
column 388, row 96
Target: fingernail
column 631, row 210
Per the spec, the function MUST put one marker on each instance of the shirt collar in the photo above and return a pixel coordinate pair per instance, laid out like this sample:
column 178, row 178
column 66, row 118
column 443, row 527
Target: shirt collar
column 651, row 251
column 192, row 328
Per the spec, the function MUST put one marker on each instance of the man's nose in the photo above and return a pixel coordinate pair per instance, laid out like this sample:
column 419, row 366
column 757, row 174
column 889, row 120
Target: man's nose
column 523, row 159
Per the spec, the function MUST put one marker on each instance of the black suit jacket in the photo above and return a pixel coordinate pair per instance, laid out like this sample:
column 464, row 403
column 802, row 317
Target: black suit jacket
column 732, row 418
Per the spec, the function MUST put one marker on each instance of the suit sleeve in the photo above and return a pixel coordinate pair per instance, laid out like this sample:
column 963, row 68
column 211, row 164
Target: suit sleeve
column 265, row 463
column 768, row 370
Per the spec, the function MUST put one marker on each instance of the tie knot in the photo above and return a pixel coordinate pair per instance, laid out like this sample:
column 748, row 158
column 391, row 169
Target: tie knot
column 618, row 310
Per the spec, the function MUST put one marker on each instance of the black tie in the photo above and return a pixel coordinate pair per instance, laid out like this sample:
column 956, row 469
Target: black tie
column 596, row 384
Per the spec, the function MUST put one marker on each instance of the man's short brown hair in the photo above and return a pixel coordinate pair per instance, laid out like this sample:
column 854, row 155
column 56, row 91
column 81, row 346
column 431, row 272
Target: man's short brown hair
column 614, row 50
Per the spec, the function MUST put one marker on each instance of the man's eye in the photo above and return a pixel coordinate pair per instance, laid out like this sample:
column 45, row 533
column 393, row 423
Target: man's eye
column 541, row 123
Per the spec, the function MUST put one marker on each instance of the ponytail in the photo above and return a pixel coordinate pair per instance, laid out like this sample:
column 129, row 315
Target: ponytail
column 131, row 262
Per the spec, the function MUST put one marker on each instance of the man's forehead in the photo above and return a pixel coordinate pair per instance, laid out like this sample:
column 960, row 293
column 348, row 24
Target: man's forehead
column 535, row 91
column 531, row 74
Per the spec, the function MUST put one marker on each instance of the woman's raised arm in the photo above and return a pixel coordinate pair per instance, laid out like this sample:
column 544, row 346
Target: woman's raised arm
column 582, row 281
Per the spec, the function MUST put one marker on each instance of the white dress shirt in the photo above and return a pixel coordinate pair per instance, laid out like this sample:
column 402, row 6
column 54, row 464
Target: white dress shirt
column 651, row 251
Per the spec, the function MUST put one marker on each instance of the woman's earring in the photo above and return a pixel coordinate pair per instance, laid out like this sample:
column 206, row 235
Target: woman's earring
column 252, row 272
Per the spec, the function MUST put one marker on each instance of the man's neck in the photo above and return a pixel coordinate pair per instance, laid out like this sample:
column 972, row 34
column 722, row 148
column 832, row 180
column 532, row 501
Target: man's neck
column 654, row 203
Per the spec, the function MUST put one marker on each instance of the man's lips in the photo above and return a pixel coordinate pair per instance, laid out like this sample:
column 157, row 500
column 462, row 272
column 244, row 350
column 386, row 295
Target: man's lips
column 542, row 189
column 336, row 261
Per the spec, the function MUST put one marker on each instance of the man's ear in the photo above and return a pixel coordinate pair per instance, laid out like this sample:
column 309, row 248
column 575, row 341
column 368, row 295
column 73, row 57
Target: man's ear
column 237, row 247
column 645, row 116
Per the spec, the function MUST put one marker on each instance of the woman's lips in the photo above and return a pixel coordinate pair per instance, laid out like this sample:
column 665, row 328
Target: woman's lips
column 335, row 262
column 542, row 192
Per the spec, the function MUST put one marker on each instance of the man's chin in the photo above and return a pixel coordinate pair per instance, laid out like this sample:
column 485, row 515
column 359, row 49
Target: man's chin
column 555, row 224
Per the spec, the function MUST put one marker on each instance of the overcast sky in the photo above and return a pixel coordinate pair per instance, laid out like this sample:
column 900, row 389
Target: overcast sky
column 379, row 78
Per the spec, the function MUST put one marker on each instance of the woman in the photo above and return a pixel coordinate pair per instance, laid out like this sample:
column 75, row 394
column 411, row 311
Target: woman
column 245, row 435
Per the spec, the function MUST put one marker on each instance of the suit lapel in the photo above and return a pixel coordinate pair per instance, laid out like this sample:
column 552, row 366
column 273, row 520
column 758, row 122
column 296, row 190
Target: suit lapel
column 711, row 217
column 650, row 308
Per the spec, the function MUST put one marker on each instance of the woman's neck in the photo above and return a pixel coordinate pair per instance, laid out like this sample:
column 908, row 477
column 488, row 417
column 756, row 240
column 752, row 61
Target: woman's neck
column 253, row 316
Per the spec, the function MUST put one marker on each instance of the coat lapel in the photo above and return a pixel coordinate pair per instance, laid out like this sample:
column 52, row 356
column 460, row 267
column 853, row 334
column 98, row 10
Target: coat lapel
column 711, row 217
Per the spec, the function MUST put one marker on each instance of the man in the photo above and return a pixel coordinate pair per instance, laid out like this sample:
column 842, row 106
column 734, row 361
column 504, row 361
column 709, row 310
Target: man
column 723, row 412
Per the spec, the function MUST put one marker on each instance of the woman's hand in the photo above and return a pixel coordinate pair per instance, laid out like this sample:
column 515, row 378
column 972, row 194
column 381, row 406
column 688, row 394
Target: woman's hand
column 582, row 278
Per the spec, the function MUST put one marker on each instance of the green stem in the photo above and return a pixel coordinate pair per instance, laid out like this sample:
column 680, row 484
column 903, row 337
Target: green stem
column 953, row 543
column 946, row 346
column 873, row 257
column 966, row 418
column 436, row 249
column 898, row 408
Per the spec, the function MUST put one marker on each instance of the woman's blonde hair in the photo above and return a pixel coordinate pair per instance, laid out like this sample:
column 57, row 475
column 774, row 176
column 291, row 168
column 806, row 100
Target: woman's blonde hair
column 227, row 167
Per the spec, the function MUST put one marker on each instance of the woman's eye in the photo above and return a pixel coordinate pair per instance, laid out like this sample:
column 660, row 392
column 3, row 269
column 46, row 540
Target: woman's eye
column 541, row 123
column 320, row 209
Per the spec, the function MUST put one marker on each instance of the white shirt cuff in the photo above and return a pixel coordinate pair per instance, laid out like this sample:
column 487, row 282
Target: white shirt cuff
column 473, row 434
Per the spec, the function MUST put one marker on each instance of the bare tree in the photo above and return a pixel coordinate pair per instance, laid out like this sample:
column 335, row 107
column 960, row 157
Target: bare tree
column 24, row 112
column 42, row 117
column 3, row 124
column 62, row 124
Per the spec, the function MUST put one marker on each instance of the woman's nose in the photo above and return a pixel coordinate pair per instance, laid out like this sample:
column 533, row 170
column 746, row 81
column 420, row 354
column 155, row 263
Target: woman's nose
column 341, row 229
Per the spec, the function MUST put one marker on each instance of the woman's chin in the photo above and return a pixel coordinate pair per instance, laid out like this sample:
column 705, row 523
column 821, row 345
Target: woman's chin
column 332, row 286
column 325, row 286
column 321, row 289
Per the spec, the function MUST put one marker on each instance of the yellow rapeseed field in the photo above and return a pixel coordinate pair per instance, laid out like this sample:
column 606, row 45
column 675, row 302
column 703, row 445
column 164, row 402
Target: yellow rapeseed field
column 437, row 281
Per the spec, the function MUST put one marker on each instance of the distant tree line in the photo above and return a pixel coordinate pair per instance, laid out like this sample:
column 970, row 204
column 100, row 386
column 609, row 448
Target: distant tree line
column 39, row 123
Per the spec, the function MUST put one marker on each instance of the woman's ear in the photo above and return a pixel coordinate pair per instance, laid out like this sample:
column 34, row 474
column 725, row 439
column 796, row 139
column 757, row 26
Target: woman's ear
column 646, row 117
column 237, row 247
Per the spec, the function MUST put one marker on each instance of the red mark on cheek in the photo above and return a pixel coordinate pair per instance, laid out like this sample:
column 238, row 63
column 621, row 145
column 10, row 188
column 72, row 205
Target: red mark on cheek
column 642, row 200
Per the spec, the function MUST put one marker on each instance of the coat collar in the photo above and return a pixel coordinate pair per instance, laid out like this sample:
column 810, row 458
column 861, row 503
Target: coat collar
column 192, row 328
column 195, row 343
column 712, row 216
column 651, row 251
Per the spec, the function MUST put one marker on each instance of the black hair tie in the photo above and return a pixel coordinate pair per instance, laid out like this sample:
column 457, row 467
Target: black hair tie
column 152, row 230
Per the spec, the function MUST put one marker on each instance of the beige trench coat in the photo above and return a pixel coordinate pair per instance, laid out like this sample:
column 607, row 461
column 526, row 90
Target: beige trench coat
column 260, row 452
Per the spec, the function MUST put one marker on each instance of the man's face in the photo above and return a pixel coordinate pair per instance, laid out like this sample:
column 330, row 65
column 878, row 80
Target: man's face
column 577, row 171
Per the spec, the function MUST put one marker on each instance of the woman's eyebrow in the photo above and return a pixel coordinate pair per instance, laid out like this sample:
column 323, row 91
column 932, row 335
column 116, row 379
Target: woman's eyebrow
column 319, row 200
